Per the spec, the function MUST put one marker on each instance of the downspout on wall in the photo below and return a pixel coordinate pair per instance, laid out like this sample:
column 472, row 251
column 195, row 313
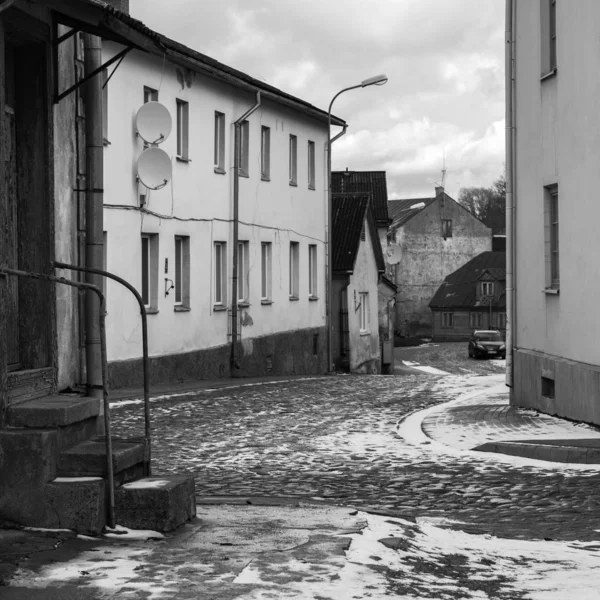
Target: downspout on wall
column 235, row 363
column 510, row 238
column 94, row 205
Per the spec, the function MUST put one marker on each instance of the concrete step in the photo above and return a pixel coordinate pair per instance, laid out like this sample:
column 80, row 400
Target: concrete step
column 77, row 503
column 156, row 503
column 88, row 459
column 53, row 411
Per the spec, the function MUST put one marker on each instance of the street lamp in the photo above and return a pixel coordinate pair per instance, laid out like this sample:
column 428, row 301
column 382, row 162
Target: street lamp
column 376, row 80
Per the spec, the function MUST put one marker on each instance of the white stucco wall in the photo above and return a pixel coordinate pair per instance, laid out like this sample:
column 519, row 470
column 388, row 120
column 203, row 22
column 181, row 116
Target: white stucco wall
column 198, row 204
column 558, row 142
column 364, row 347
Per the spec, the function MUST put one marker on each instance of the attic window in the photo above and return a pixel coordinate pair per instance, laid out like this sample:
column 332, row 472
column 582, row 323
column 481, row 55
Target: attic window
column 446, row 228
column 363, row 233
column 487, row 288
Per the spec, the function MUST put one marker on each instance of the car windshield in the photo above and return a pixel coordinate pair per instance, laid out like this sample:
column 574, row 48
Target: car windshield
column 489, row 336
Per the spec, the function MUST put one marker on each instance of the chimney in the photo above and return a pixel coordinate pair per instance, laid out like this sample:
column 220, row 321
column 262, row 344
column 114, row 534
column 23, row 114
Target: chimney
column 438, row 190
column 122, row 5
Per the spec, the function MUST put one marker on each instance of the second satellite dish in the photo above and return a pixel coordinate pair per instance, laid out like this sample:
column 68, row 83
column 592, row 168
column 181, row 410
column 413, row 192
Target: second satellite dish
column 153, row 122
column 154, row 168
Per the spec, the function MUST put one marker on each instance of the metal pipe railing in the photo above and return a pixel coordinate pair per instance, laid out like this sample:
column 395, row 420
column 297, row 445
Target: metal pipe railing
column 147, row 438
column 108, row 440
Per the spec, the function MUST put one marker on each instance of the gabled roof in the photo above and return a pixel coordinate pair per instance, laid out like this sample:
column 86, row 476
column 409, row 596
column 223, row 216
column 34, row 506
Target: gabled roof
column 459, row 289
column 349, row 213
column 401, row 211
column 364, row 182
column 106, row 21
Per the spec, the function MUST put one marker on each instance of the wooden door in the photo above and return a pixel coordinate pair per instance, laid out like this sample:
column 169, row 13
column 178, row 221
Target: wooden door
column 12, row 313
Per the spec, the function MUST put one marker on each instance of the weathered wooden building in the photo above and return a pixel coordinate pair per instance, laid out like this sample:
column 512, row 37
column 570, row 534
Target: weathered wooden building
column 472, row 297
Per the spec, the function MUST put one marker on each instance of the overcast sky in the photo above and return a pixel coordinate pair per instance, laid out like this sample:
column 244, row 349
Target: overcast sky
column 444, row 61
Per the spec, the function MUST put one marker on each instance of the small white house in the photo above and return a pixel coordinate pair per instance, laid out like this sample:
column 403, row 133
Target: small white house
column 176, row 244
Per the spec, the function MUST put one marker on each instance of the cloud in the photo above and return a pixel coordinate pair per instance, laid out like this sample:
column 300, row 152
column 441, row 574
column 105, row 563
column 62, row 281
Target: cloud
column 444, row 61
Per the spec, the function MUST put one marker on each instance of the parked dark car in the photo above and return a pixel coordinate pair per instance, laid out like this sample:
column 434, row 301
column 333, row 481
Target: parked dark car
column 487, row 343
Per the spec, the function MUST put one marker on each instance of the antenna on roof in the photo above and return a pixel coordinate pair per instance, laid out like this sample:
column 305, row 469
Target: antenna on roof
column 444, row 169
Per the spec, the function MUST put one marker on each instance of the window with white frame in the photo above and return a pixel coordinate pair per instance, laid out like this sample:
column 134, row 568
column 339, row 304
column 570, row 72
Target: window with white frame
column 294, row 270
column 149, row 291
column 182, row 272
column 487, row 288
column 219, row 149
column 548, row 37
column 311, row 165
column 447, row 320
column 245, row 149
column 265, row 153
column 475, row 320
column 312, row 271
column 293, row 160
column 183, row 110
column 150, row 94
column 242, row 274
column 551, row 237
column 266, row 249
column 363, row 312
column 220, row 274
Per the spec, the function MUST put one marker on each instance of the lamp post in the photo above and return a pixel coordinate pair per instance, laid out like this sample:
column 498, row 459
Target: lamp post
column 376, row 80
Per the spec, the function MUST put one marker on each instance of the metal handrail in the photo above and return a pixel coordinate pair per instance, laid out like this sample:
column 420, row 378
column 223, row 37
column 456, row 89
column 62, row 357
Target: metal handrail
column 147, row 438
column 102, row 318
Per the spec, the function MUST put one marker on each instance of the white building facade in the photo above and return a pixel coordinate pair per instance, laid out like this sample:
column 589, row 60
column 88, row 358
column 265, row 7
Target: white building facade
column 556, row 152
column 175, row 244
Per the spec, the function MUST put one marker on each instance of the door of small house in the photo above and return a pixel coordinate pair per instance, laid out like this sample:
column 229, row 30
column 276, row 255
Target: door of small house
column 10, row 195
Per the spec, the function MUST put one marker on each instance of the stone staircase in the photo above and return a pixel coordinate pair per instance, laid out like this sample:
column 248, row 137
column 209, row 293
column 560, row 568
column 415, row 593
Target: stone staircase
column 53, row 472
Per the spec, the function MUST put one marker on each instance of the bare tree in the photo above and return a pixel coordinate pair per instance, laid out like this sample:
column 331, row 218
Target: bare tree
column 487, row 204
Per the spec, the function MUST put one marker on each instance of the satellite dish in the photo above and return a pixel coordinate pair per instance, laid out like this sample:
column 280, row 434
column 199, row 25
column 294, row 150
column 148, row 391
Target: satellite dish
column 153, row 122
column 154, row 168
column 393, row 254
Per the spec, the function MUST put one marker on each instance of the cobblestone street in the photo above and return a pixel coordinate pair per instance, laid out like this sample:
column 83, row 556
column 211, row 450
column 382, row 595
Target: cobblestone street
column 335, row 438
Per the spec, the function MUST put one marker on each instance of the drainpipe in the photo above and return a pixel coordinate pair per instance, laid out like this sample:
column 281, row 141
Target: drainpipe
column 235, row 364
column 510, row 286
column 94, row 201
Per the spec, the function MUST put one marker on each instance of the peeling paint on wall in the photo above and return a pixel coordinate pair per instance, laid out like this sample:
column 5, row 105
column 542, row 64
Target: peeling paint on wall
column 246, row 320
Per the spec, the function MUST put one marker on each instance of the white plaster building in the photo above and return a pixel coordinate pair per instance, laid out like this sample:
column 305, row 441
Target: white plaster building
column 175, row 245
column 555, row 329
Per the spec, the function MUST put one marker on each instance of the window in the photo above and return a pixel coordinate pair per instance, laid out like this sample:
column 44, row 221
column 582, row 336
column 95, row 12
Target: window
column 312, row 271
column 265, row 153
column 311, row 165
column 293, row 160
column 446, row 228
column 150, row 95
column 294, row 270
column 553, row 237
column 363, row 233
column 219, row 142
column 265, row 271
column 487, row 288
column 182, row 272
column 476, row 320
column 548, row 37
column 363, row 312
column 548, row 388
column 244, row 148
column 182, row 129
column 149, row 291
column 501, row 320
column 220, row 274
column 242, row 265
column 447, row 320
